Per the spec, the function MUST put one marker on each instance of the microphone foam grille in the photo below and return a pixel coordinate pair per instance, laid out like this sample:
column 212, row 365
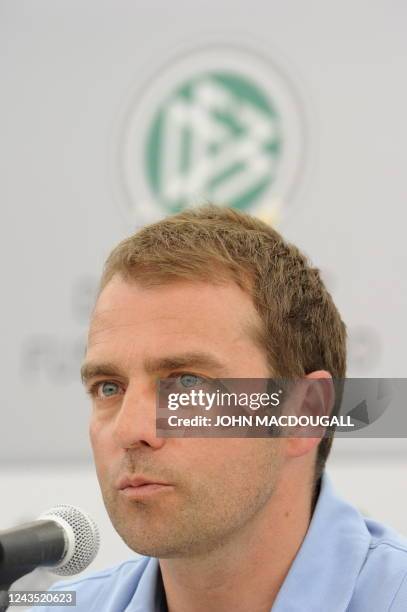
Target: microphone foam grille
column 87, row 539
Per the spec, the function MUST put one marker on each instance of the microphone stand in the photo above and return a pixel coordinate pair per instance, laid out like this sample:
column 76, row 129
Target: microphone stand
column 4, row 597
column 34, row 545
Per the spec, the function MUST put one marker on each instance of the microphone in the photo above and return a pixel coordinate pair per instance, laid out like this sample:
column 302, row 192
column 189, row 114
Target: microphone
column 64, row 539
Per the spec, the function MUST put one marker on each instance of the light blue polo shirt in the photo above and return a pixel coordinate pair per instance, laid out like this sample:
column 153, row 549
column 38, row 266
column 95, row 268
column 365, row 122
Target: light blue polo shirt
column 346, row 563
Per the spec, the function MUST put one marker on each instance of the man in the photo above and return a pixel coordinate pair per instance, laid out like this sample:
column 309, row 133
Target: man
column 224, row 524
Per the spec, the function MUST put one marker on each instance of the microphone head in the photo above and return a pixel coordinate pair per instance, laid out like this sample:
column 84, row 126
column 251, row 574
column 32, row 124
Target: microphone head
column 81, row 535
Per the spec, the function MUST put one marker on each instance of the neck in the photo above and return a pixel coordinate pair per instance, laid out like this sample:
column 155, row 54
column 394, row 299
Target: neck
column 247, row 571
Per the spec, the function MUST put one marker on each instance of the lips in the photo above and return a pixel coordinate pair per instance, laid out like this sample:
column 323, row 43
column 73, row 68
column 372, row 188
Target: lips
column 137, row 481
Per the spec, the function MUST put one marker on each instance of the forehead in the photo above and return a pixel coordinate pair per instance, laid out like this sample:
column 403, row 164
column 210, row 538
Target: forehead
column 181, row 310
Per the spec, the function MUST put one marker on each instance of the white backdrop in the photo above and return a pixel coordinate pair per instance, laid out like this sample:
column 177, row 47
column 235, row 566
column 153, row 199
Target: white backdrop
column 71, row 72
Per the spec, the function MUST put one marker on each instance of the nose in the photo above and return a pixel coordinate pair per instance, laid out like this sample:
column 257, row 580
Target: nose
column 135, row 422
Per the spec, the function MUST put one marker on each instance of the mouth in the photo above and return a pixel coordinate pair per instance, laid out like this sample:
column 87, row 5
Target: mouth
column 140, row 487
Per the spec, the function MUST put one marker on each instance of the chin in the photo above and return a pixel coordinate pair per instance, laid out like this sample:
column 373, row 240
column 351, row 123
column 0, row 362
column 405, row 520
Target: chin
column 161, row 550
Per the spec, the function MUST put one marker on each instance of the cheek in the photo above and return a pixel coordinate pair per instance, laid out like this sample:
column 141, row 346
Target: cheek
column 93, row 433
column 248, row 460
column 226, row 460
column 100, row 439
column 102, row 455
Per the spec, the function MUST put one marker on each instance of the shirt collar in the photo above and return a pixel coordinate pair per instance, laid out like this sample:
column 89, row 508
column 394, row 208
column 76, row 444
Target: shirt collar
column 325, row 568
column 327, row 565
column 149, row 595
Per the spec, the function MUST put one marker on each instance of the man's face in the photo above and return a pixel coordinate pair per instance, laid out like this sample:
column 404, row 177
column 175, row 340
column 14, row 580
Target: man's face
column 215, row 486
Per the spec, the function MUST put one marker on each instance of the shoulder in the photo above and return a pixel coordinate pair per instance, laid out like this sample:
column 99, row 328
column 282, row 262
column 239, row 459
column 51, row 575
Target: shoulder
column 117, row 583
column 364, row 562
column 384, row 573
column 387, row 548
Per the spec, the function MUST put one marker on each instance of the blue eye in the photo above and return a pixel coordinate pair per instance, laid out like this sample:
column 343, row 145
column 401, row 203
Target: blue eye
column 190, row 380
column 107, row 389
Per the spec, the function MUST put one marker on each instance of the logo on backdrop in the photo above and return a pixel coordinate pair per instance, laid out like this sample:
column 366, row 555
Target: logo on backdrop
column 222, row 125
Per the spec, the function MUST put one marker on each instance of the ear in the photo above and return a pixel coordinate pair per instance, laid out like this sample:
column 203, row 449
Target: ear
column 315, row 396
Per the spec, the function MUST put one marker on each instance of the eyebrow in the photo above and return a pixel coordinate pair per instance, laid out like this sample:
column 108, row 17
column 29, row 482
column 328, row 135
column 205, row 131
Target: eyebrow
column 154, row 365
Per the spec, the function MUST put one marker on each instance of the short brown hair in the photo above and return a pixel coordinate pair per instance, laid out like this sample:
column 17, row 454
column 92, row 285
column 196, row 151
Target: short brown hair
column 303, row 331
